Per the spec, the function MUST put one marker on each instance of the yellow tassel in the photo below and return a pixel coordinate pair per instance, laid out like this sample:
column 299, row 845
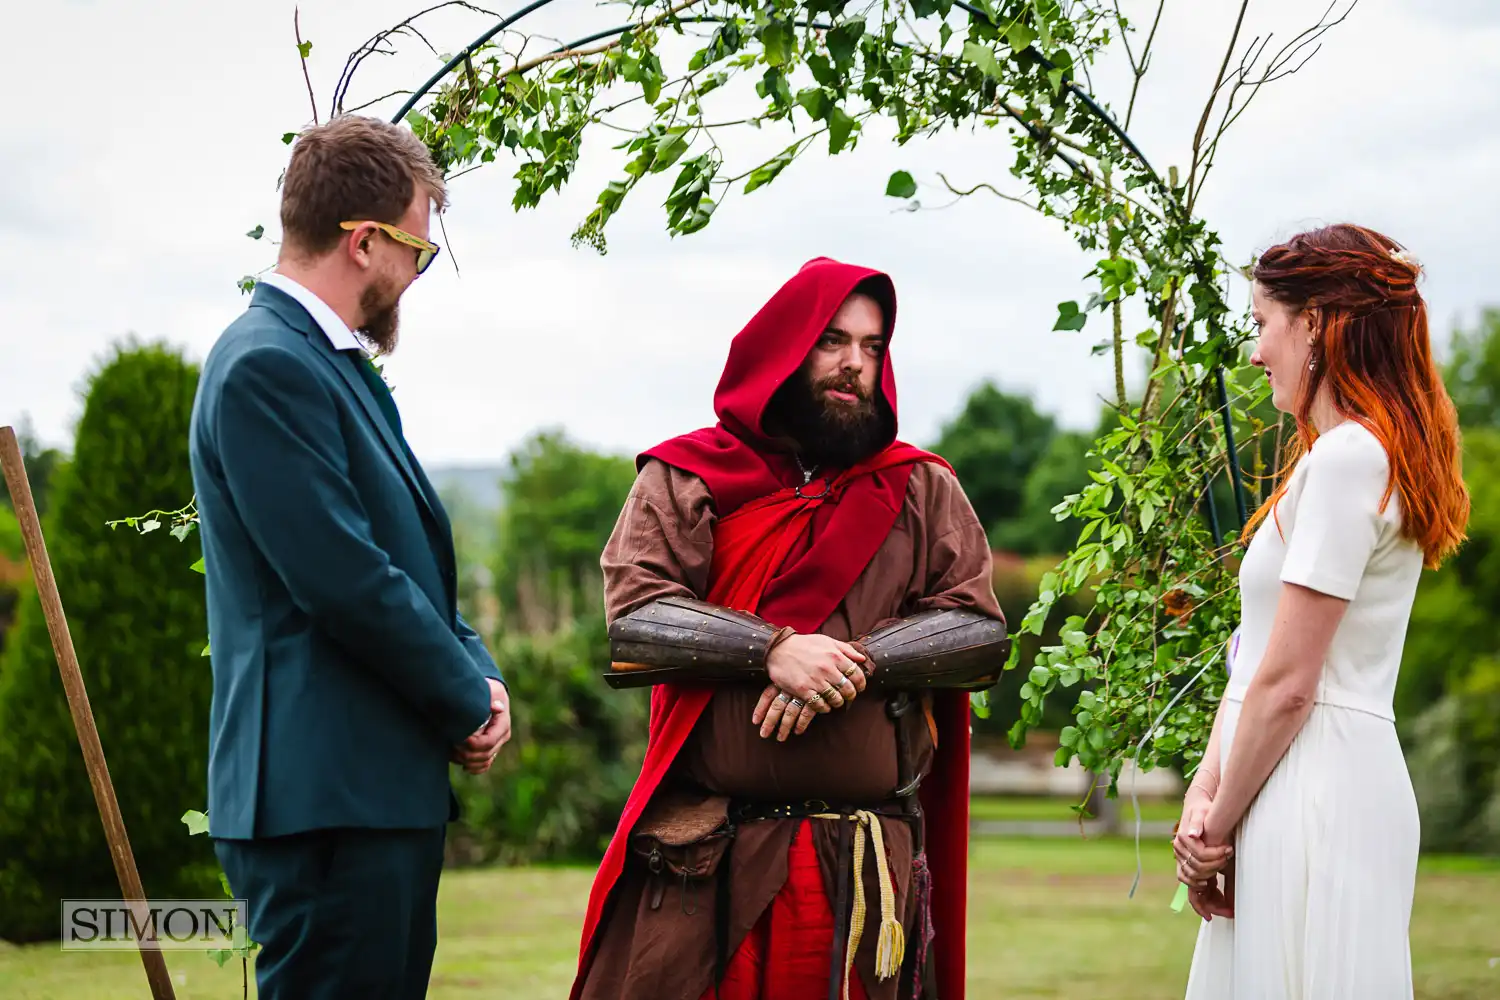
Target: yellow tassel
column 892, row 949
column 890, row 946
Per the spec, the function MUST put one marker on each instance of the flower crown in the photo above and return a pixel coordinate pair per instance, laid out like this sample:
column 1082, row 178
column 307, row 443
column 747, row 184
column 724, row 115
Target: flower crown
column 1401, row 256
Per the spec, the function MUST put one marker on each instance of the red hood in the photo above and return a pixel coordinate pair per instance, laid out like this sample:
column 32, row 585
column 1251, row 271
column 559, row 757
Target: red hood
column 773, row 345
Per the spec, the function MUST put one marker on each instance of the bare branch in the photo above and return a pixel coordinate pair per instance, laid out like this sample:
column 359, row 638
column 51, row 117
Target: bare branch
column 411, row 29
column 1137, row 67
column 382, row 97
column 1208, row 109
column 372, row 45
column 985, row 187
column 449, row 244
column 1288, row 60
column 297, row 30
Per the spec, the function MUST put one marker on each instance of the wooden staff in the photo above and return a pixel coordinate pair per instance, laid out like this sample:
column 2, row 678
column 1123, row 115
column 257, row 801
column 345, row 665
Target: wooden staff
column 78, row 703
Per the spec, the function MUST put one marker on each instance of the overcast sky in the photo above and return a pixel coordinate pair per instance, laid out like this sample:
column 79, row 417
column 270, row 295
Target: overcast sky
column 144, row 140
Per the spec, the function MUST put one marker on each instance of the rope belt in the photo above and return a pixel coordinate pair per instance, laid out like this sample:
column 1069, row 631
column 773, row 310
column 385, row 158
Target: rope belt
column 891, row 947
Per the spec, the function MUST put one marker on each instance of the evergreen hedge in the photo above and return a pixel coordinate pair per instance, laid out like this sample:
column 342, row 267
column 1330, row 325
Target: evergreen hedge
column 136, row 614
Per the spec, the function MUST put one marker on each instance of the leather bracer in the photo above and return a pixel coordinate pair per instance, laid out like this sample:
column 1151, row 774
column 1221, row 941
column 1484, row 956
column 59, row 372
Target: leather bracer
column 679, row 639
column 949, row 648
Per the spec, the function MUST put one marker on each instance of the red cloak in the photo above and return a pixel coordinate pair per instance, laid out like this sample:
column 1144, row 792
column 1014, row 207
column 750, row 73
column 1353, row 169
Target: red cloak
column 764, row 564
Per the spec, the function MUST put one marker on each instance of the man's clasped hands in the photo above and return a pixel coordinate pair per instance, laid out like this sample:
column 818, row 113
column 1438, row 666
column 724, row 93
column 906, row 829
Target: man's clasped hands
column 810, row 675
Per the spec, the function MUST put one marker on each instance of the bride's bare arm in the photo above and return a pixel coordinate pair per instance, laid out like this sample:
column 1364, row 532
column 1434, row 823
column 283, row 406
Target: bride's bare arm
column 1277, row 703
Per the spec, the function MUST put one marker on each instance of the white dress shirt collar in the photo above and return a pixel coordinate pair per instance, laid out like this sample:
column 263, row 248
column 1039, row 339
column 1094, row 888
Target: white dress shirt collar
column 338, row 334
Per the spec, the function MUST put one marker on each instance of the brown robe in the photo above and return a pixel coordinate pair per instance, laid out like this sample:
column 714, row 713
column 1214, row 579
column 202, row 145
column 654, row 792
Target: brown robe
column 936, row 556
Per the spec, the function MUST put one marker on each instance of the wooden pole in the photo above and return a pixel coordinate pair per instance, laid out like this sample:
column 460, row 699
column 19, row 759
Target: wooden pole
column 78, row 703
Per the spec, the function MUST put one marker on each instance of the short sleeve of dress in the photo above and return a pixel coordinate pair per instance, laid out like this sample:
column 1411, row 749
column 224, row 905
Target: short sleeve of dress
column 1338, row 520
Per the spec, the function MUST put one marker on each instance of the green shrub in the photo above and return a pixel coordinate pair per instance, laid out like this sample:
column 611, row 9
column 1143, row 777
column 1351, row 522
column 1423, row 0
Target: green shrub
column 556, row 791
column 13, row 571
column 136, row 615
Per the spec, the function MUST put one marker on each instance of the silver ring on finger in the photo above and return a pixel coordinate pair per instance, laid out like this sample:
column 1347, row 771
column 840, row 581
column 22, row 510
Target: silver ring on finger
column 783, row 697
column 796, row 703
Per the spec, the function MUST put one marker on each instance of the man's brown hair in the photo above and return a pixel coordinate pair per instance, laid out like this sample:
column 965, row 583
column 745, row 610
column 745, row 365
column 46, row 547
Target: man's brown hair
column 352, row 168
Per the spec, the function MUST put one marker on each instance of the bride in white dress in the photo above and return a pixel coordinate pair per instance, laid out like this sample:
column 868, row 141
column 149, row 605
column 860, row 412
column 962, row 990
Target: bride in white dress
column 1299, row 833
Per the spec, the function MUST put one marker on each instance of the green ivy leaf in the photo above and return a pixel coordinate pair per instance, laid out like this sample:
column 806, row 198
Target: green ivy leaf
column 843, row 41
column 289, row 137
column 1043, row 29
column 840, row 126
column 901, row 185
column 983, row 58
column 197, row 822
column 1020, row 35
column 1070, row 317
column 199, row 567
column 814, row 100
column 305, row 49
column 205, row 650
column 669, row 150
column 651, row 87
column 779, row 40
column 768, row 171
column 1069, row 736
column 822, row 70
column 257, row 232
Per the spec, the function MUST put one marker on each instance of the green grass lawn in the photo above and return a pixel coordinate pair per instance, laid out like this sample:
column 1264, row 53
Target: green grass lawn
column 1049, row 918
column 1041, row 809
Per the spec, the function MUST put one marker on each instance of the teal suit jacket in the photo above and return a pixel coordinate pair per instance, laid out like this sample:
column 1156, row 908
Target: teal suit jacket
column 343, row 673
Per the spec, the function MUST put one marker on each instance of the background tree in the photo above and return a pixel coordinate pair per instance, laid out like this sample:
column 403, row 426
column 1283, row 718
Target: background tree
column 14, row 573
column 1473, row 371
column 559, row 503
column 41, row 464
column 557, row 791
column 993, row 443
column 137, row 619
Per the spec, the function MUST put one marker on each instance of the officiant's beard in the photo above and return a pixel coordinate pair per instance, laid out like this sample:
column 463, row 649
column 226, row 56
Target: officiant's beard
column 829, row 434
column 381, row 304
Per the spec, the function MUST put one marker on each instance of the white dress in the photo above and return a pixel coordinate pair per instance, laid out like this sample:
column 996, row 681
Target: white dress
column 1326, row 857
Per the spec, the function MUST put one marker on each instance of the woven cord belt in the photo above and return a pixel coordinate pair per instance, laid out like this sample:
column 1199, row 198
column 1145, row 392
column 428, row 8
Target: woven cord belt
column 890, row 950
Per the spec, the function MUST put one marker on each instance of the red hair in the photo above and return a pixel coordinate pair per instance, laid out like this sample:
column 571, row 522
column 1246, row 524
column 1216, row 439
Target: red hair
column 1372, row 351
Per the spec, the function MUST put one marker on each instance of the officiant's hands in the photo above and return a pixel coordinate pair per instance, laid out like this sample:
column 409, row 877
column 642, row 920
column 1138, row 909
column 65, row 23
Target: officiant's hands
column 477, row 753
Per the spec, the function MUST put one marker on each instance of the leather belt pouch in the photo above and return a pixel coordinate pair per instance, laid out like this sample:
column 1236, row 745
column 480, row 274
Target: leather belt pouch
column 683, row 835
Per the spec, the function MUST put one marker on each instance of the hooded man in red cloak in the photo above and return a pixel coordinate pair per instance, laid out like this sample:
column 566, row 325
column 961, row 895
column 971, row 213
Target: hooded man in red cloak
column 812, row 600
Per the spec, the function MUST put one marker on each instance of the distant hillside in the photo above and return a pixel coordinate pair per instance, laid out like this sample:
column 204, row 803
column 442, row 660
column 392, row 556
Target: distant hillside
column 478, row 485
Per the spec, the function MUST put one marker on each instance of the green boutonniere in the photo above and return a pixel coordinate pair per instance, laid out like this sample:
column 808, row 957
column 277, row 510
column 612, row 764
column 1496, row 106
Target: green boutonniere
column 377, row 369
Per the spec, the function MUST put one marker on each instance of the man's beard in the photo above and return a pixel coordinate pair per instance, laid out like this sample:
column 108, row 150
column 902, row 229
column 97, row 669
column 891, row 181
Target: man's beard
column 831, row 434
column 382, row 324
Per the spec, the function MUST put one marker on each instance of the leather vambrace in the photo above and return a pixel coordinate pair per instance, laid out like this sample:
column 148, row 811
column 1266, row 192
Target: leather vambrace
column 682, row 640
column 679, row 639
column 945, row 648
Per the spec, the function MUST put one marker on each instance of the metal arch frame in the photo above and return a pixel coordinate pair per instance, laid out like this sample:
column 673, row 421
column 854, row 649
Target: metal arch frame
column 1226, row 412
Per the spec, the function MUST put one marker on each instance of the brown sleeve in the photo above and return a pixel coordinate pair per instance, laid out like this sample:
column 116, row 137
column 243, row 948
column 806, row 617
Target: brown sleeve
column 663, row 542
column 960, row 571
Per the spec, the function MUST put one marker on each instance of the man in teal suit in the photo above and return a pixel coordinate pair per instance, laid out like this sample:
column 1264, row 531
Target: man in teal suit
column 345, row 680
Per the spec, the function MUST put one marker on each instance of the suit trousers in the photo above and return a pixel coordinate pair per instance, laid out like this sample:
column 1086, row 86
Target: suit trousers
column 340, row 913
